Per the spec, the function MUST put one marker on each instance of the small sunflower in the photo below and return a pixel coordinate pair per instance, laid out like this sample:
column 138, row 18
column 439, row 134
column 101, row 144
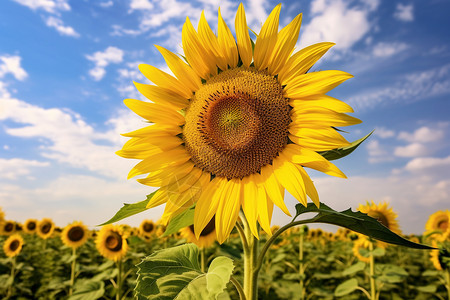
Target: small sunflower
column 236, row 126
column 45, row 228
column 30, row 226
column 8, row 227
column 111, row 242
column 13, row 245
column 207, row 236
column 438, row 224
column 75, row 235
column 147, row 228
column 360, row 249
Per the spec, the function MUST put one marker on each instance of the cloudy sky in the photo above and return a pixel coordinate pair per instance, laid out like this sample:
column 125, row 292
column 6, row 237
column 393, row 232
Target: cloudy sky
column 66, row 66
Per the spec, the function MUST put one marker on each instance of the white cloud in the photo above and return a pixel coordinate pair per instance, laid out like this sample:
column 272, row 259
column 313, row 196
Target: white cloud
column 50, row 6
column 103, row 59
column 11, row 64
column 404, row 12
column 377, row 153
column 58, row 24
column 388, row 49
column 421, row 164
column 140, row 5
column 410, row 88
column 16, row 167
column 424, row 134
column 412, row 150
column 339, row 22
column 106, row 4
column 384, row 133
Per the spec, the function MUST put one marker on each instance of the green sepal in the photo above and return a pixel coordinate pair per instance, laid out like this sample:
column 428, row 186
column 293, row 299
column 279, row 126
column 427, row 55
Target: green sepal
column 356, row 221
column 182, row 220
column 175, row 273
column 344, row 151
column 129, row 210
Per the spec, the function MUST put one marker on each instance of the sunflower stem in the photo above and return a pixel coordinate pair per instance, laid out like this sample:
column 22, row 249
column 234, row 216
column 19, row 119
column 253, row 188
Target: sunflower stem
column 250, row 261
column 119, row 279
column 301, row 266
column 447, row 279
column 238, row 287
column 72, row 273
column 13, row 270
column 372, row 273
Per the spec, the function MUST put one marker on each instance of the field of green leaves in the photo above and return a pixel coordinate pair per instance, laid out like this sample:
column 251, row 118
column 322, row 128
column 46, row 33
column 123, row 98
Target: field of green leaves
column 323, row 263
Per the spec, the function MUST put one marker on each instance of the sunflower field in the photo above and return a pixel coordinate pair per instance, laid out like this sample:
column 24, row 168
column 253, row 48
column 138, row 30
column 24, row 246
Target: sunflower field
column 302, row 263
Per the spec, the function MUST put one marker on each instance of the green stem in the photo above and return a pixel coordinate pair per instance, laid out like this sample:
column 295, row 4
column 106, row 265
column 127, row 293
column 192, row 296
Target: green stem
column 72, row 273
column 238, row 287
column 447, row 279
column 372, row 273
column 202, row 260
column 13, row 270
column 119, row 279
column 301, row 267
column 250, row 259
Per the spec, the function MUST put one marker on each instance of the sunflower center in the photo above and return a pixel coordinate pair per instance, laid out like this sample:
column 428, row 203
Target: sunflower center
column 114, row 242
column 443, row 225
column 14, row 245
column 380, row 217
column 75, row 234
column 31, row 226
column 236, row 123
column 46, row 228
column 208, row 228
column 148, row 227
column 9, row 227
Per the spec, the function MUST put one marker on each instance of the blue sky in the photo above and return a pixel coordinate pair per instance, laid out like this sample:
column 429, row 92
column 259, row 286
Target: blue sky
column 66, row 66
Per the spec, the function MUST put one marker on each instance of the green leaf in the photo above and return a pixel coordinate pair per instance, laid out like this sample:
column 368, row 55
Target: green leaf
column 182, row 220
column 344, row 151
column 89, row 290
column 427, row 289
column 391, row 273
column 129, row 209
column 174, row 273
column 356, row 221
column 346, row 287
column 359, row 266
column 378, row 252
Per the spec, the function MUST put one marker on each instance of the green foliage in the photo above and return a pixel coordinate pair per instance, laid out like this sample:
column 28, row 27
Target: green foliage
column 356, row 221
column 175, row 273
column 129, row 210
column 88, row 290
column 346, row 287
column 182, row 220
column 342, row 152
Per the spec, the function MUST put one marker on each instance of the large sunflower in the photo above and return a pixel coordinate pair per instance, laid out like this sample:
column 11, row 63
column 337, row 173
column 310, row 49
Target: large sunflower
column 236, row 125
column 74, row 235
column 45, row 228
column 206, row 238
column 13, row 245
column 30, row 226
column 111, row 242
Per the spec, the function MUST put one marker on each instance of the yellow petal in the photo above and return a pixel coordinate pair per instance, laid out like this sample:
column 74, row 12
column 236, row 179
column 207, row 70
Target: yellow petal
column 210, row 42
column 165, row 80
column 228, row 209
column 318, row 117
column 155, row 113
column 160, row 197
column 265, row 42
column 250, row 202
column 265, row 210
column 320, row 139
column 286, row 40
column 227, row 42
column 207, row 204
column 274, row 189
column 302, row 61
column 324, row 101
column 243, row 37
column 163, row 176
column 182, row 71
column 309, row 185
column 325, row 167
column 155, row 129
column 162, row 96
column 289, row 176
column 174, row 157
column 201, row 60
column 314, row 83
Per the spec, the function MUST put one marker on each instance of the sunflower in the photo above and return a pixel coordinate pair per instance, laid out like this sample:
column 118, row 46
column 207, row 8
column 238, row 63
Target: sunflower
column 235, row 126
column 147, row 228
column 30, row 226
column 206, row 238
column 45, row 228
column 360, row 249
column 74, row 235
column 438, row 225
column 111, row 242
column 8, row 227
column 13, row 245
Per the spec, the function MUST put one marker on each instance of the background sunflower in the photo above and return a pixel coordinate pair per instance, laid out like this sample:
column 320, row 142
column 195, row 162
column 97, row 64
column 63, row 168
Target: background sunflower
column 45, row 228
column 74, row 235
column 30, row 226
column 111, row 242
column 13, row 245
column 206, row 238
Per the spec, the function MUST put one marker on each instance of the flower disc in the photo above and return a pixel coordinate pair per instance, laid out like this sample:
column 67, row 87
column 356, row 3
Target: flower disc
column 237, row 123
